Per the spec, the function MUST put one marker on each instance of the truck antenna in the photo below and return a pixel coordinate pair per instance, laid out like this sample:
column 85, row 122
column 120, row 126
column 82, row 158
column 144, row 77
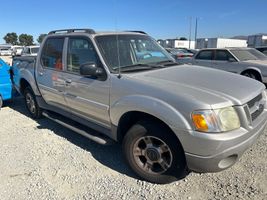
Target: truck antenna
column 117, row 36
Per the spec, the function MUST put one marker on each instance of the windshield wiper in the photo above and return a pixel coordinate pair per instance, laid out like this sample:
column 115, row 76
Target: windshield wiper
column 167, row 63
column 139, row 67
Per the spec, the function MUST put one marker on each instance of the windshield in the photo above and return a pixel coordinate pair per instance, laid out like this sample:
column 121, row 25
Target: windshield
column 248, row 54
column 35, row 49
column 258, row 54
column 130, row 50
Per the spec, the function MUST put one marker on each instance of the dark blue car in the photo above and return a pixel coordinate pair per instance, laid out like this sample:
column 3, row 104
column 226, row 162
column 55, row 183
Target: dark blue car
column 5, row 82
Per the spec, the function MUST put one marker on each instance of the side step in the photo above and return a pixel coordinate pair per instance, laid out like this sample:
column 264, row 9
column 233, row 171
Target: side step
column 78, row 128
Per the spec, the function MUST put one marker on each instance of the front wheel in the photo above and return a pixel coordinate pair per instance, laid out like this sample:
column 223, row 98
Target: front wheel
column 251, row 75
column 31, row 103
column 154, row 153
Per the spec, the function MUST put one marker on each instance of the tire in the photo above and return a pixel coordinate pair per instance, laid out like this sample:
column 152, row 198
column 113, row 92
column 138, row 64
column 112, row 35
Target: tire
column 31, row 104
column 154, row 153
column 252, row 75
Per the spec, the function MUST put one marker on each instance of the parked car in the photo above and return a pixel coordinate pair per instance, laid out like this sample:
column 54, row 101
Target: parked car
column 5, row 52
column 180, row 55
column 168, row 117
column 30, row 51
column 5, row 82
column 245, row 61
column 193, row 51
column 262, row 49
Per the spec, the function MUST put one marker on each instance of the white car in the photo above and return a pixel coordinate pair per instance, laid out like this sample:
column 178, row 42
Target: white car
column 245, row 61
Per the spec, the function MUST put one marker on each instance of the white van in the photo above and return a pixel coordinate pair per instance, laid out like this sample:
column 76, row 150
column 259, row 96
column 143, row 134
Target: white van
column 30, row 51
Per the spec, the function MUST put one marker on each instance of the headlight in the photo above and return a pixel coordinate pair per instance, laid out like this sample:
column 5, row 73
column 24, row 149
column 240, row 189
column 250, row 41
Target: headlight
column 219, row 120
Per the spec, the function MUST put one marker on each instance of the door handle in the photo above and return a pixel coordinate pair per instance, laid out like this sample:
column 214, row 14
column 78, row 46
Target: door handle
column 41, row 73
column 68, row 81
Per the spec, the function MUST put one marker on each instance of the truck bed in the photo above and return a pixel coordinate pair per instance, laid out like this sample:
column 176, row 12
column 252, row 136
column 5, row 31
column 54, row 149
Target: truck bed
column 22, row 65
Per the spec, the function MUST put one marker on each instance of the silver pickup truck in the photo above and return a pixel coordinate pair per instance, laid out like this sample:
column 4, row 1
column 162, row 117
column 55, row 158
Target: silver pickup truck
column 168, row 117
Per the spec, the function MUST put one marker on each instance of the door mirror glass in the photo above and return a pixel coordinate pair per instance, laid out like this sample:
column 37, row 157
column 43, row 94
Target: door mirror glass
column 91, row 70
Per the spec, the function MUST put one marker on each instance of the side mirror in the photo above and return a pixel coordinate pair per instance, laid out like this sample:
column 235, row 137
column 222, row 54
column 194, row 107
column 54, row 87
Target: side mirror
column 91, row 70
column 231, row 60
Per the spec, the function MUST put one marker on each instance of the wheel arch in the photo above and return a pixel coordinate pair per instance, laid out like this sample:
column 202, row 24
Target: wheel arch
column 129, row 110
column 23, row 85
column 27, row 77
column 253, row 70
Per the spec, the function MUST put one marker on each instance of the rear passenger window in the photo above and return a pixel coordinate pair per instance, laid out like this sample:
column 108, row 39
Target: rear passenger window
column 204, row 55
column 222, row 55
column 52, row 53
column 80, row 51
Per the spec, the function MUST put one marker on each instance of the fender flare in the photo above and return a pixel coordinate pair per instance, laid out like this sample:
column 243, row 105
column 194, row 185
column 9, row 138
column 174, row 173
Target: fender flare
column 28, row 76
column 149, row 105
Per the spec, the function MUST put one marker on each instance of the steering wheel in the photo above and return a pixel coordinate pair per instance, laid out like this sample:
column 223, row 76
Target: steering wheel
column 147, row 55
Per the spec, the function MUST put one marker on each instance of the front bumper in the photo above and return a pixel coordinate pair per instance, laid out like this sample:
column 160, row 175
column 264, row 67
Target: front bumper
column 216, row 152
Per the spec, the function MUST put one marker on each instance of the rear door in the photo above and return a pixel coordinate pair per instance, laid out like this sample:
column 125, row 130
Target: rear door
column 50, row 75
column 86, row 97
column 204, row 58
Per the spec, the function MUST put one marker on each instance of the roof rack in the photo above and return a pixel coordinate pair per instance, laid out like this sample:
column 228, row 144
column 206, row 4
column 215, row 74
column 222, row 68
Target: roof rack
column 90, row 31
column 138, row 32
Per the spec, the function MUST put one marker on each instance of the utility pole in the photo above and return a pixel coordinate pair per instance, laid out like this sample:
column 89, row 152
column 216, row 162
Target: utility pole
column 190, row 27
column 196, row 32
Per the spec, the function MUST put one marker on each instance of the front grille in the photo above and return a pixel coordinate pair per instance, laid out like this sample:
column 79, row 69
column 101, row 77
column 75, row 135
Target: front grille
column 257, row 112
column 252, row 102
column 256, row 107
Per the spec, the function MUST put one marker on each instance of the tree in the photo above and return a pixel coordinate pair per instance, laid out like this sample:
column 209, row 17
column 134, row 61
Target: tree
column 25, row 39
column 183, row 38
column 11, row 38
column 41, row 38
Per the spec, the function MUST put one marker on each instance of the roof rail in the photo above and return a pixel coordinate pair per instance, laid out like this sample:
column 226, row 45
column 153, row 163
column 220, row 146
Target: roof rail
column 138, row 32
column 90, row 31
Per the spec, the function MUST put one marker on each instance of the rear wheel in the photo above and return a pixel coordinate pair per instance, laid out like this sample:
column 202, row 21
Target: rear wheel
column 154, row 153
column 31, row 103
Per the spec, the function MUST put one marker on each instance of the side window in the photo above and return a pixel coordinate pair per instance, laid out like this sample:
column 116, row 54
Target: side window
column 27, row 50
column 222, row 55
column 204, row 55
column 80, row 51
column 52, row 53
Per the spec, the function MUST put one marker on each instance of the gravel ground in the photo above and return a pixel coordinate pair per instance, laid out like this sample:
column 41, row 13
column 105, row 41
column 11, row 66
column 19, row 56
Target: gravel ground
column 43, row 160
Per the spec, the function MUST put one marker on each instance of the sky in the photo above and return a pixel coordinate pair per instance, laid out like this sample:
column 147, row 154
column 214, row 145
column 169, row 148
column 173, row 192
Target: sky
column 161, row 19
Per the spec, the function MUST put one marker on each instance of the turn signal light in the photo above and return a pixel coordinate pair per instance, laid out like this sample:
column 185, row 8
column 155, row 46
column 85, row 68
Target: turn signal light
column 200, row 122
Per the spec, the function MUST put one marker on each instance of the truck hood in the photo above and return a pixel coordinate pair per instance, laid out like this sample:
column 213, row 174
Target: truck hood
column 215, row 88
